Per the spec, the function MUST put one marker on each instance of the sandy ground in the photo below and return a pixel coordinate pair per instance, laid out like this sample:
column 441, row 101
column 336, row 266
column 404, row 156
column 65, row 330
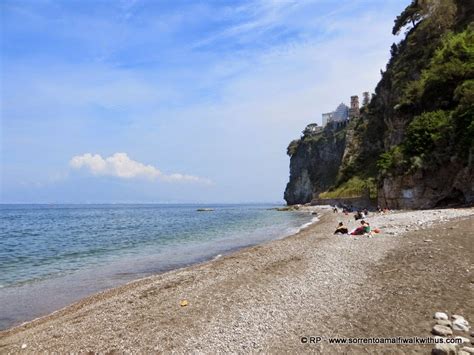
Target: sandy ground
column 266, row 298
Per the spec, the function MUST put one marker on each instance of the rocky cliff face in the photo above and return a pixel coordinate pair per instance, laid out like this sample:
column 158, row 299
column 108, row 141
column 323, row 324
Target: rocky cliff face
column 415, row 138
column 426, row 101
column 450, row 185
column 314, row 164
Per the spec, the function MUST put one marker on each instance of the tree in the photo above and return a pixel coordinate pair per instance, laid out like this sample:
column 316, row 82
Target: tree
column 293, row 147
column 311, row 129
column 441, row 13
column 413, row 14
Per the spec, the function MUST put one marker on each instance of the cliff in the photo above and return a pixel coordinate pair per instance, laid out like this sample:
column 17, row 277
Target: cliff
column 314, row 163
column 415, row 139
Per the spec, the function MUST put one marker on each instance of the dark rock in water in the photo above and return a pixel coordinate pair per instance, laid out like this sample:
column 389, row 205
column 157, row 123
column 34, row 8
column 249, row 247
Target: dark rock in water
column 288, row 208
column 205, row 209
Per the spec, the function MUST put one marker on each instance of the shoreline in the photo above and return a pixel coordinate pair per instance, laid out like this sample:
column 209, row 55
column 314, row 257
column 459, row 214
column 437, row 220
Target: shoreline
column 248, row 280
column 137, row 277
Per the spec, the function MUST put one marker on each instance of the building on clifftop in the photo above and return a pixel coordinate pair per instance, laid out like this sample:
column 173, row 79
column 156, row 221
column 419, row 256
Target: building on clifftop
column 354, row 111
column 343, row 113
column 338, row 116
column 365, row 98
column 327, row 117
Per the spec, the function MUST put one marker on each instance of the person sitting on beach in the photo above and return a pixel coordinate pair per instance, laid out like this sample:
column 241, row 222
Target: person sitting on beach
column 367, row 229
column 358, row 215
column 341, row 229
column 335, row 210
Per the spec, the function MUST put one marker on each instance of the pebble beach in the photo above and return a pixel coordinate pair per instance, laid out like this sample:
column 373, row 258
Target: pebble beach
column 271, row 297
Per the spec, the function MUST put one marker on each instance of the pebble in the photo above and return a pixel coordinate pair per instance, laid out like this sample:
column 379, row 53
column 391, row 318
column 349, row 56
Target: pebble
column 441, row 316
column 428, row 240
column 462, row 352
column 441, row 330
column 456, row 316
column 463, row 340
column 444, row 349
column 469, row 350
column 446, row 323
column 23, row 346
column 461, row 324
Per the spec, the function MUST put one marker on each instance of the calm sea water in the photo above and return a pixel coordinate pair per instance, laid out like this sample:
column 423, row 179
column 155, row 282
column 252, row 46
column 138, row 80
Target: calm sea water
column 52, row 255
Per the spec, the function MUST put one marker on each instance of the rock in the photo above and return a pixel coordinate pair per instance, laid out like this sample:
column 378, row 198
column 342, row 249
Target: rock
column 441, row 330
column 461, row 324
column 469, row 350
column 456, row 316
column 314, row 164
column 462, row 352
column 446, row 323
column 425, row 190
column 463, row 340
column 441, row 315
column 428, row 240
column 444, row 349
column 23, row 346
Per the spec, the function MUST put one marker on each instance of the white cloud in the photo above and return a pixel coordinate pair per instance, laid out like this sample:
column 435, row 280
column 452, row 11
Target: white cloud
column 121, row 166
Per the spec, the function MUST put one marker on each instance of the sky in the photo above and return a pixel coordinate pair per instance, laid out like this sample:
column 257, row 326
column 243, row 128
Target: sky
column 138, row 101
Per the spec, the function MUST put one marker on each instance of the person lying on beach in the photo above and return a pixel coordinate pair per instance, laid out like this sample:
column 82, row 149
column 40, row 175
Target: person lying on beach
column 341, row 229
column 365, row 229
column 361, row 230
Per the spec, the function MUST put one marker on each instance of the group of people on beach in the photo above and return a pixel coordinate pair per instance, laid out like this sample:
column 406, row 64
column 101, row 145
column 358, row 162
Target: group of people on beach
column 363, row 229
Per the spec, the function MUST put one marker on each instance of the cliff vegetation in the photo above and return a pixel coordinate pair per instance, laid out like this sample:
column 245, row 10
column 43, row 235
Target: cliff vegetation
column 414, row 142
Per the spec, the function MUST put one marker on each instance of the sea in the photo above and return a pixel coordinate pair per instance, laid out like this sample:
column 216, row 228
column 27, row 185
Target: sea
column 54, row 255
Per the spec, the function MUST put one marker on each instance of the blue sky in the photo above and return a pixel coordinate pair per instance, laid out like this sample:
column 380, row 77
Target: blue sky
column 174, row 101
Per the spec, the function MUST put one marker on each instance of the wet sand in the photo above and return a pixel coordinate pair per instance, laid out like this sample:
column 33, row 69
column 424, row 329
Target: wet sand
column 266, row 298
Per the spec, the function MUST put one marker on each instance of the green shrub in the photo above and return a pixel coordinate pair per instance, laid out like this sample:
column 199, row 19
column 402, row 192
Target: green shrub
column 427, row 133
column 354, row 187
column 293, row 147
column 392, row 159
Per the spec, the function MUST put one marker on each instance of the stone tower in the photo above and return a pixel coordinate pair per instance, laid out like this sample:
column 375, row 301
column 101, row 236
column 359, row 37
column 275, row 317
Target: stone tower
column 365, row 98
column 354, row 111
